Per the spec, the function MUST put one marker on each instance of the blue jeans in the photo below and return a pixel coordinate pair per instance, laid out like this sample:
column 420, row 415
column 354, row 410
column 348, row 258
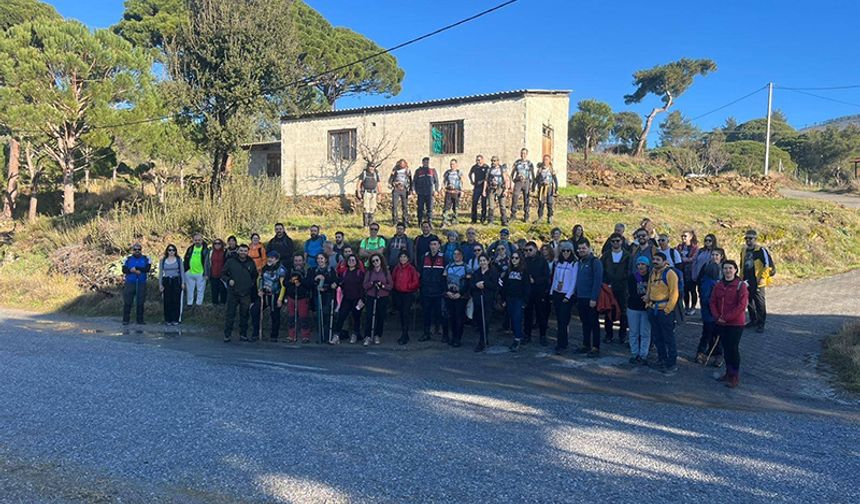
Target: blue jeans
column 514, row 309
column 640, row 333
column 663, row 334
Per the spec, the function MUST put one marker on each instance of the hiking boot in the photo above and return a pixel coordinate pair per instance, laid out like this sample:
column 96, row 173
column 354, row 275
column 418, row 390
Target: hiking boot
column 227, row 339
column 749, row 324
column 759, row 329
column 700, row 358
column 514, row 346
column 243, row 338
column 594, row 353
column 633, row 360
column 404, row 339
column 670, row 370
column 366, row 341
column 377, row 340
column 445, row 339
column 718, row 361
column 480, row 347
column 353, row 338
column 306, row 340
column 733, row 381
column 424, row 337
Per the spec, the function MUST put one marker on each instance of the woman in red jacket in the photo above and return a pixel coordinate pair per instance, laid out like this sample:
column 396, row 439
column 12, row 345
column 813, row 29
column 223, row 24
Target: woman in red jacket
column 406, row 282
column 728, row 307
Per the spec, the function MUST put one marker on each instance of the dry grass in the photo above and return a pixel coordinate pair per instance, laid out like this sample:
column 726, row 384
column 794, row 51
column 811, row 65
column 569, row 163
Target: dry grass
column 842, row 352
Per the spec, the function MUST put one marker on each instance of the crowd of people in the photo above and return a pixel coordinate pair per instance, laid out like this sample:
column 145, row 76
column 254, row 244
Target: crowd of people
column 342, row 291
column 491, row 186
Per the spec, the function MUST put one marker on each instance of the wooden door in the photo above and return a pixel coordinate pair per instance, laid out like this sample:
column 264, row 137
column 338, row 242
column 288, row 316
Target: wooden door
column 546, row 144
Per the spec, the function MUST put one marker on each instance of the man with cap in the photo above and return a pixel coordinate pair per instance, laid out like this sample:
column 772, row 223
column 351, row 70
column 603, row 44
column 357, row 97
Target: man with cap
column 503, row 241
column 135, row 268
column 756, row 269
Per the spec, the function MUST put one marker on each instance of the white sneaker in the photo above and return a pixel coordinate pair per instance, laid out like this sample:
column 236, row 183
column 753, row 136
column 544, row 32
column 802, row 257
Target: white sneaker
column 335, row 340
column 377, row 340
column 353, row 338
column 367, row 341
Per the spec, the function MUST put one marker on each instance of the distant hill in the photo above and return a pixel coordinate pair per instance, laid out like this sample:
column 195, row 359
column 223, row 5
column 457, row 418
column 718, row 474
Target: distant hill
column 839, row 122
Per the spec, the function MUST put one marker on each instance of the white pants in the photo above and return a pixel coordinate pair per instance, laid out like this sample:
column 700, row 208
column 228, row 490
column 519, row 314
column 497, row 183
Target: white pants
column 195, row 284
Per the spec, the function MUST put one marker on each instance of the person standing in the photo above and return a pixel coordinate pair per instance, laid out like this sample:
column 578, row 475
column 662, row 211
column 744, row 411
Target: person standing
column 642, row 247
column 217, row 257
column 728, row 302
column 538, row 303
column 546, row 186
column 484, row 284
column 478, row 178
column 450, row 246
column 257, row 252
column 564, row 278
column 399, row 243
column 589, row 281
column 281, row 243
column 637, row 314
column 496, row 189
column 351, row 283
column 687, row 249
column 616, row 270
column 232, row 249
column 195, row 263
column 757, row 268
column 298, row 293
column 619, row 230
column 515, row 285
column 457, row 275
column 662, row 300
column 400, row 183
column 422, row 243
column 425, row 182
column 377, row 287
column 372, row 244
column 270, row 292
column 366, row 190
column 469, row 244
column 240, row 273
column 405, row 281
column 703, row 257
column 522, row 175
column 323, row 278
column 710, row 274
column 135, row 268
column 338, row 246
column 453, row 183
column 171, row 283
column 433, row 284
column 313, row 245
column 503, row 241
column 673, row 257
column 577, row 235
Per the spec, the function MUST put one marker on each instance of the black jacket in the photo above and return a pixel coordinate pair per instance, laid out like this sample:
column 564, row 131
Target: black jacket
column 515, row 285
column 204, row 256
column 491, row 286
column 283, row 246
column 538, row 269
column 304, row 288
column 242, row 273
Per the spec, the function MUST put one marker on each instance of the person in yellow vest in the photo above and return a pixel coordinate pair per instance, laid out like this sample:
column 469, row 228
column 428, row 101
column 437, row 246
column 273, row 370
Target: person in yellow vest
column 757, row 270
column 661, row 299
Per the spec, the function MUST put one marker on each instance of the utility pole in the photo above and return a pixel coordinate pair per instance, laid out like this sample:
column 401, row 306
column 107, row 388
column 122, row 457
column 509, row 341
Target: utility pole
column 767, row 135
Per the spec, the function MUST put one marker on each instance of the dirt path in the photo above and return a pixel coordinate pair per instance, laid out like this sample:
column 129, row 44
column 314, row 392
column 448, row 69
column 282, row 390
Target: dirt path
column 847, row 200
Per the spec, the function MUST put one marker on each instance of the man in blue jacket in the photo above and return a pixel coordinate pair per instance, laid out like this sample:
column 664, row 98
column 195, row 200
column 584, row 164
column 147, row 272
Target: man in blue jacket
column 135, row 268
column 589, row 281
column 313, row 246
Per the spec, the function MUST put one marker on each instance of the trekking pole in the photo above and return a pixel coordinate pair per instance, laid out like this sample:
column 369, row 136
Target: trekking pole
column 181, row 303
column 716, row 342
column 331, row 323
column 319, row 310
column 373, row 317
column 262, row 306
column 484, row 331
column 296, row 317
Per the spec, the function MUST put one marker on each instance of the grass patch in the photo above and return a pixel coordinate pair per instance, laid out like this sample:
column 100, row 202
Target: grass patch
column 842, row 352
column 26, row 283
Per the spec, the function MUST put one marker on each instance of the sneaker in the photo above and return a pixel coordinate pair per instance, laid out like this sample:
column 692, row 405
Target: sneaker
column 670, row 370
column 514, row 346
column 243, row 338
column 700, row 358
column 227, row 339
column 353, row 338
column 718, row 361
column 641, row 361
column 291, row 340
column 479, row 347
column 456, row 344
column 749, row 324
column 306, row 340
column 377, row 340
column 594, row 353
column 759, row 329
column 366, row 341
column 403, row 340
column 335, row 339
column 633, row 360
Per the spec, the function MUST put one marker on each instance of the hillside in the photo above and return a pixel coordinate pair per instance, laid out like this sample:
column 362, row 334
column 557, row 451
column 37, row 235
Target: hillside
column 838, row 122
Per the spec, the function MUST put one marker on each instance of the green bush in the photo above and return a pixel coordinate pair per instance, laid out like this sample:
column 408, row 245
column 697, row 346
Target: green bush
column 746, row 157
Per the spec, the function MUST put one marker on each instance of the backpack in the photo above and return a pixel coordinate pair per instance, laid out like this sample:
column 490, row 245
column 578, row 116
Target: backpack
column 680, row 302
column 453, row 180
column 369, row 181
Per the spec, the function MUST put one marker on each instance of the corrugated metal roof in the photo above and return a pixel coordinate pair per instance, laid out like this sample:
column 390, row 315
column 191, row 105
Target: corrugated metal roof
column 426, row 103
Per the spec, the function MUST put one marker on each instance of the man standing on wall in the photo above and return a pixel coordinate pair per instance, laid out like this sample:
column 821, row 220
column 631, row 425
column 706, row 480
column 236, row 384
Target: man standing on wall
column 400, row 183
column 453, row 182
column 365, row 191
column 496, row 189
column 522, row 175
column 478, row 178
column 426, row 184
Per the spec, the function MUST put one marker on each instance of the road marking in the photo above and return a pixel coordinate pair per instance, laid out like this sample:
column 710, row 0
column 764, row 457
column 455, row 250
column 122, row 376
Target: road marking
column 284, row 364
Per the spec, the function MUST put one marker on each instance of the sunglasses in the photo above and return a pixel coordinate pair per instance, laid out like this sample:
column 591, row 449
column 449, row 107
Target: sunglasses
column 169, row 250
column 135, row 250
column 374, row 229
column 662, row 240
column 641, row 236
column 567, row 251
column 708, row 239
column 749, row 238
column 616, row 241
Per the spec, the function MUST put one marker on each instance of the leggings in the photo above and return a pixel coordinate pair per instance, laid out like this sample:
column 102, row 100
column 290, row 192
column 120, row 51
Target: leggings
column 730, row 339
column 691, row 294
column 346, row 310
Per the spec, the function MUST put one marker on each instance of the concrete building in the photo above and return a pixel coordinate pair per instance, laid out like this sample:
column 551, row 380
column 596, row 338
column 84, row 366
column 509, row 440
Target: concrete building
column 323, row 152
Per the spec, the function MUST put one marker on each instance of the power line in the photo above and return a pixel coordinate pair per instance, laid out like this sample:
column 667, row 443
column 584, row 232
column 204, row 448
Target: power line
column 822, row 97
column 826, row 88
column 744, row 97
column 310, row 79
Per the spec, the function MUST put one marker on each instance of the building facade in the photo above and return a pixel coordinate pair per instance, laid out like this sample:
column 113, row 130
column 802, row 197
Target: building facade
column 323, row 153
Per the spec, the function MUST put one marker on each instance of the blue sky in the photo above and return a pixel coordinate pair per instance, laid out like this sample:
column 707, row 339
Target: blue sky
column 592, row 47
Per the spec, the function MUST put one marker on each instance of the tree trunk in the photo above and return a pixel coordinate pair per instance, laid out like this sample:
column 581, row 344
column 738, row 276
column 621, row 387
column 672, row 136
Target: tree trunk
column 35, row 175
column 68, row 191
column 11, row 195
column 87, row 177
column 113, row 174
column 586, row 148
column 182, row 177
column 219, row 166
column 640, row 147
column 161, row 185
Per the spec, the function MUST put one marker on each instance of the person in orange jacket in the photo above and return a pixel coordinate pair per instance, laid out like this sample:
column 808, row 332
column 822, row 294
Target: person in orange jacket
column 257, row 252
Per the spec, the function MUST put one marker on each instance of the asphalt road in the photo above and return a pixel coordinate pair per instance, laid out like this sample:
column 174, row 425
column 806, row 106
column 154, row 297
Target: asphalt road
column 95, row 415
column 847, row 200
